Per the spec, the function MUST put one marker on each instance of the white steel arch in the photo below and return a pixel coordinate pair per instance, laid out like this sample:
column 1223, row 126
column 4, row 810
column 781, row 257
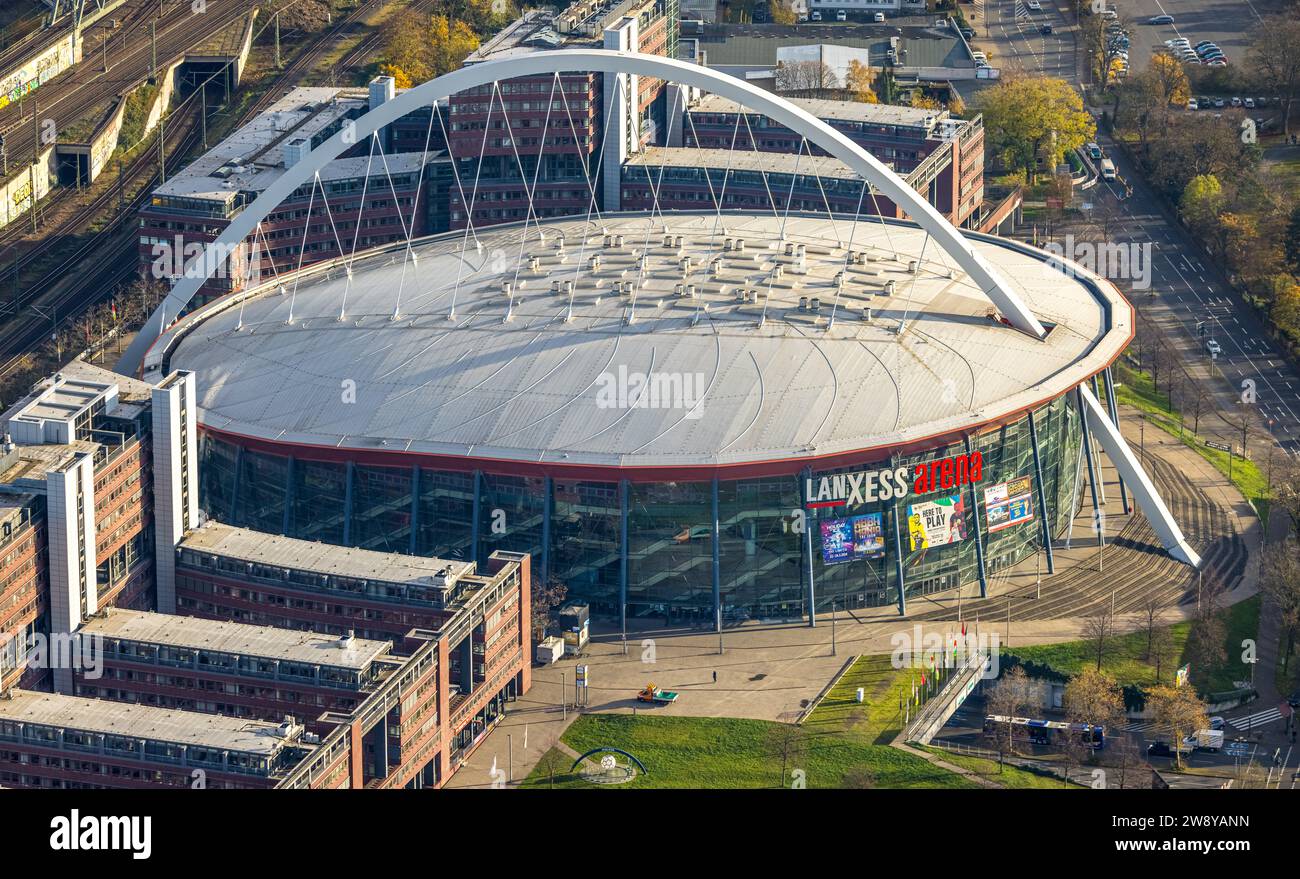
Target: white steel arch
column 990, row 281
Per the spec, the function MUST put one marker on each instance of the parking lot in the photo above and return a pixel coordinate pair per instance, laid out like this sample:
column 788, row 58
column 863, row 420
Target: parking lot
column 1226, row 22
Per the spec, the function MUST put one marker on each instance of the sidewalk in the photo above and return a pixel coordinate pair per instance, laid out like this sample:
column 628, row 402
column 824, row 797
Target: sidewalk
column 773, row 671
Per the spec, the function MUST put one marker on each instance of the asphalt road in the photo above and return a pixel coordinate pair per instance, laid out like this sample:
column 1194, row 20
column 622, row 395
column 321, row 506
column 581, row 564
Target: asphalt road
column 1188, row 290
column 966, row 728
column 1015, row 32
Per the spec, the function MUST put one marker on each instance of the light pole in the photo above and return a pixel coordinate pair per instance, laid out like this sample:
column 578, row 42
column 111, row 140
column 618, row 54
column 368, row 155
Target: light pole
column 834, row 606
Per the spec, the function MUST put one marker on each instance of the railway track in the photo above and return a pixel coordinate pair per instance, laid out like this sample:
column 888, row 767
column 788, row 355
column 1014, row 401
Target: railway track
column 22, row 334
column 89, row 87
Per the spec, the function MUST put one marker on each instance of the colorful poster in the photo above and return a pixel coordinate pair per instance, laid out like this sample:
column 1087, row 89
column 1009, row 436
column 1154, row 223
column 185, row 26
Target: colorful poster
column 868, row 536
column 936, row 523
column 1009, row 503
column 837, row 541
column 847, row 540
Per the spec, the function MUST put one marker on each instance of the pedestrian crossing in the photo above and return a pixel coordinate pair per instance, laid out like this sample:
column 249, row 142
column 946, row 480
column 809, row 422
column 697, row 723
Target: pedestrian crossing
column 1250, row 721
column 1256, row 720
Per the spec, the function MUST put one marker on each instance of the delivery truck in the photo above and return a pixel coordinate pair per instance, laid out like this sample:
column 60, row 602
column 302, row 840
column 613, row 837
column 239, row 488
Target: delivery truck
column 1205, row 740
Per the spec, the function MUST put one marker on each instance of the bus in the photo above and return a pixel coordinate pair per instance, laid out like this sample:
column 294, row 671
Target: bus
column 1046, row 732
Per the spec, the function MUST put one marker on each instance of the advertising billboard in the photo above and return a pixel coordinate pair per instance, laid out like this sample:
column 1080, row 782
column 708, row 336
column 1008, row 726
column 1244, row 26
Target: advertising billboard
column 1009, row 503
column 868, row 536
column 837, row 541
column 846, row 540
column 936, row 523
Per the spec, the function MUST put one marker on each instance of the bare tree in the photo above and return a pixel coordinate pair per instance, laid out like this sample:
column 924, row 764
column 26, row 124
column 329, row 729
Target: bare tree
column 1091, row 697
column 1009, row 697
column 1275, row 60
column 786, row 740
column 805, row 78
column 1279, row 580
column 546, row 596
column 1178, row 713
column 1286, row 491
column 1151, row 612
column 1098, row 631
column 1123, row 761
column 1162, row 645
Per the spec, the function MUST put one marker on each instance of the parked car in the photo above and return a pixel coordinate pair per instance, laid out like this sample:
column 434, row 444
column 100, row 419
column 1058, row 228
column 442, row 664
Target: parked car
column 841, row 16
column 1236, row 102
column 1193, row 104
column 880, row 16
column 1217, row 62
column 1219, row 102
column 816, row 15
column 1248, row 103
column 1160, row 19
column 967, row 32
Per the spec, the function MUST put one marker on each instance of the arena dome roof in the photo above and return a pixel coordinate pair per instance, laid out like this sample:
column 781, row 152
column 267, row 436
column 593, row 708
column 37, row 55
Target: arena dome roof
column 636, row 372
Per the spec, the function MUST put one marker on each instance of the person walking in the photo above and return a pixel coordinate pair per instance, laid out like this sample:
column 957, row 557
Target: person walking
column 715, row 676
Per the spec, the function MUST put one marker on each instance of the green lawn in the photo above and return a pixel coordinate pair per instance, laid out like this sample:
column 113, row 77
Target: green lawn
column 729, row 753
column 1136, row 389
column 1007, row 775
column 1287, row 171
column 1125, row 659
column 879, row 719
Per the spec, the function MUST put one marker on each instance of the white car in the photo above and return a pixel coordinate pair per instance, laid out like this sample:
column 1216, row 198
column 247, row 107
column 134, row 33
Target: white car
column 841, row 16
column 1034, row 5
column 878, row 17
column 1213, row 348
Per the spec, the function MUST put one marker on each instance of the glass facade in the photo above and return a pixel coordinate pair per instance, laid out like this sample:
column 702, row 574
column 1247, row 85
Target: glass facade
column 653, row 548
